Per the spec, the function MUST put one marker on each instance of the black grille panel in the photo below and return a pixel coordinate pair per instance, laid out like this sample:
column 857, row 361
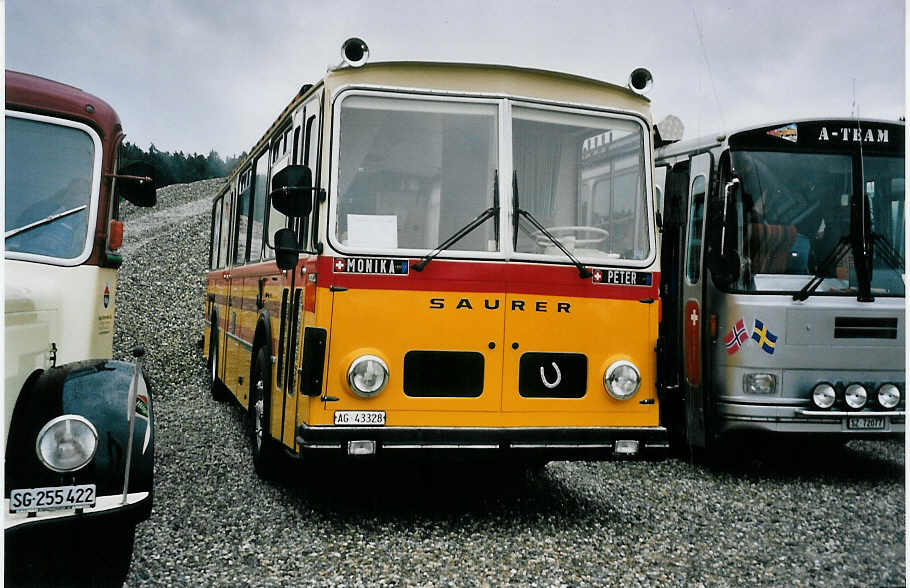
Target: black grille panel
column 552, row 375
column 443, row 374
column 850, row 327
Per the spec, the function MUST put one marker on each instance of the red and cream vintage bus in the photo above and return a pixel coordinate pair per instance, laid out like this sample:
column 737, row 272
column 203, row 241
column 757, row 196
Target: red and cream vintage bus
column 442, row 258
column 78, row 428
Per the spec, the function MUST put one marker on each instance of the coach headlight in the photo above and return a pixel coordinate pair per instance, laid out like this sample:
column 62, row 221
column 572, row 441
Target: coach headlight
column 622, row 380
column 67, row 443
column 855, row 396
column 368, row 376
column 823, row 395
column 889, row 396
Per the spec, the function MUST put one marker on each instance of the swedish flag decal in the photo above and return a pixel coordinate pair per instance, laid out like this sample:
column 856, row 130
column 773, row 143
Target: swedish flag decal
column 764, row 337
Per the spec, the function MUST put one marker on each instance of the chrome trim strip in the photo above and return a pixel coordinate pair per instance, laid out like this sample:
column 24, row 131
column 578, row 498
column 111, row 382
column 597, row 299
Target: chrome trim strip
column 102, row 503
column 246, row 345
column 561, row 445
column 841, row 414
column 439, row 446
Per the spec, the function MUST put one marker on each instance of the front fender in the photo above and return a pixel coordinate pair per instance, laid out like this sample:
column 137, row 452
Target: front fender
column 98, row 390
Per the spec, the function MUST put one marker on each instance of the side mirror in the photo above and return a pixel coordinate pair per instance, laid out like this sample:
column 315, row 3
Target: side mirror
column 136, row 183
column 286, row 252
column 291, row 190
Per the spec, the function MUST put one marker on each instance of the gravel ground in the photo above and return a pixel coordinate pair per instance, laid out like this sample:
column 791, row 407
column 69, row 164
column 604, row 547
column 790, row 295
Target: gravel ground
column 774, row 519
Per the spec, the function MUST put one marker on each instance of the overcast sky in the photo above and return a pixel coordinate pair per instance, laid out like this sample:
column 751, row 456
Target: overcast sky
column 196, row 75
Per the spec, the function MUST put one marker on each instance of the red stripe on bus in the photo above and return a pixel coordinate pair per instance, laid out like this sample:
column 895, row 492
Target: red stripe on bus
column 474, row 276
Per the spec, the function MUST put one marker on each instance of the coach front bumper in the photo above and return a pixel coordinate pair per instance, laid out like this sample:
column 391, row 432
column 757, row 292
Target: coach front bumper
column 798, row 418
column 532, row 443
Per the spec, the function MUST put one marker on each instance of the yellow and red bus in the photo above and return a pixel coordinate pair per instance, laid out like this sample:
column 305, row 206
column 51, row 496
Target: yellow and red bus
column 442, row 258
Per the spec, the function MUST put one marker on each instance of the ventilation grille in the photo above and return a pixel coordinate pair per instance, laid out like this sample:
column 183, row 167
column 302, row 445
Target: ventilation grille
column 849, row 327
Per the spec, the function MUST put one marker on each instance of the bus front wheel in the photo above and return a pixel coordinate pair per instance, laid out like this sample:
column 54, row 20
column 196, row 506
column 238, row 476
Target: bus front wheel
column 266, row 452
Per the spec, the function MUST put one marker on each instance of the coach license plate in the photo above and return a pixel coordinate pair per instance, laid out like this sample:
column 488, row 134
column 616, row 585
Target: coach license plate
column 866, row 423
column 56, row 498
column 360, row 418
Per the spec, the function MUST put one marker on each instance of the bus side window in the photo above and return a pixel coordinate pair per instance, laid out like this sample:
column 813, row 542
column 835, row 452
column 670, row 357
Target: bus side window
column 296, row 150
column 696, row 215
column 260, row 185
column 309, row 145
column 215, row 234
column 241, row 224
column 223, row 246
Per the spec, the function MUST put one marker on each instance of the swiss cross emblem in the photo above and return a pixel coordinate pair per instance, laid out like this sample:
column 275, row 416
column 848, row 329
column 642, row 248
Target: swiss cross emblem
column 694, row 316
column 598, row 276
column 339, row 265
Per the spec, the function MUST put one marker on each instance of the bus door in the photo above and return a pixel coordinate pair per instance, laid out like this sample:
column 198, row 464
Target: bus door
column 691, row 297
column 299, row 321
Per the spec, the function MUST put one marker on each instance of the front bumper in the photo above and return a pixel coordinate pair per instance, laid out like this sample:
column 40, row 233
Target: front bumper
column 801, row 419
column 531, row 443
column 108, row 508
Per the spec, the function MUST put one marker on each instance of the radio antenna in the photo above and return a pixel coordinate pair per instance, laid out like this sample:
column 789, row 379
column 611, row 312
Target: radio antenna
column 701, row 43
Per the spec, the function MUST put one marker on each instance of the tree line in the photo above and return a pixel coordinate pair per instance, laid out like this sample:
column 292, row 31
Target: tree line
column 179, row 167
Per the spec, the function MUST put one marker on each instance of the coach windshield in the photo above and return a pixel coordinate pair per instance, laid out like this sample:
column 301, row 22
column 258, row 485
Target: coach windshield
column 51, row 176
column 795, row 208
column 413, row 171
column 583, row 178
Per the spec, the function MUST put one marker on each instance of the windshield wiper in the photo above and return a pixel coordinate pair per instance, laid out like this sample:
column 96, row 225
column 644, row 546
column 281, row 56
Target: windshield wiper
column 44, row 221
column 840, row 250
column 583, row 272
column 493, row 212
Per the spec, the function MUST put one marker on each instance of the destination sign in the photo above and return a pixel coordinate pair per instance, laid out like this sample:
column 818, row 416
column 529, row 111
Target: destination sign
column 370, row 265
column 824, row 135
column 616, row 277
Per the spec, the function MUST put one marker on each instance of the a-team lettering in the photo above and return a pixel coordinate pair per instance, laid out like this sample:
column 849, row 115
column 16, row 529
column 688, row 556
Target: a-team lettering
column 854, row 135
column 493, row 304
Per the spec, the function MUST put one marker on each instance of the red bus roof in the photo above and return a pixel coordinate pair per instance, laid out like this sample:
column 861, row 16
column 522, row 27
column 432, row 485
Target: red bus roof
column 26, row 92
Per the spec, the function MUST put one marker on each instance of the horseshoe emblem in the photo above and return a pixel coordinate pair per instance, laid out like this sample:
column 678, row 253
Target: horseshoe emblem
column 543, row 377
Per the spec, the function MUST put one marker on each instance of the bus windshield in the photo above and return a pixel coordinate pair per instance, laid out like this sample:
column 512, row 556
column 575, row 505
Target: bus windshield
column 48, row 188
column 795, row 209
column 413, row 171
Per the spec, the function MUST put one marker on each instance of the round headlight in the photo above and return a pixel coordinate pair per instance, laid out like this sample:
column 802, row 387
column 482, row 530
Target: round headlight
column 855, row 396
column 67, row 443
column 823, row 395
column 622, row 380
column 368, row 376
column 889, row 395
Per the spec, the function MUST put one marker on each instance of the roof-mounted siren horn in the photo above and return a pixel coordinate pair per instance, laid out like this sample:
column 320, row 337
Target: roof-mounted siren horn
column 641, row 80
column 354, row 52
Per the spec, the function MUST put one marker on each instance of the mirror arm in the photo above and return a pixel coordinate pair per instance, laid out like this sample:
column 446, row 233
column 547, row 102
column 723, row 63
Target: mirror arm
column 140, row 179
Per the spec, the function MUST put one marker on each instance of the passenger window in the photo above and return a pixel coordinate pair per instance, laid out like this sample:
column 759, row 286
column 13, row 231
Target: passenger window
column 260, row 186
column 241, row 227
column 696, row 216
column 223, row 246
column 216, row 233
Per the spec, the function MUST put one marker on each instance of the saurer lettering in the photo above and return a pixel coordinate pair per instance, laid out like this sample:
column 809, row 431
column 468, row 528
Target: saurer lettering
column 493, row 304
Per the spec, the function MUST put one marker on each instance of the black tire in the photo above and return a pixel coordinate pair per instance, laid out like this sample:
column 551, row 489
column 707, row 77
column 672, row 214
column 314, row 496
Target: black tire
column 216, row 386
column 266, row 452
column 81, row 566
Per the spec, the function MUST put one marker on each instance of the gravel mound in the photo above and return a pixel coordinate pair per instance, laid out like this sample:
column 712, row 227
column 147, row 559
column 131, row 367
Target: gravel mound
column 775, row 518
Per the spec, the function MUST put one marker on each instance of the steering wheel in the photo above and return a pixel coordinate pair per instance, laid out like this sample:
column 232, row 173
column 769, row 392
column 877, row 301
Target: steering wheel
column 595, row 236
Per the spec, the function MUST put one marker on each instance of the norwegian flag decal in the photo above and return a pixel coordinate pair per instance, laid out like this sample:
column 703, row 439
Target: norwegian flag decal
column 736, row 337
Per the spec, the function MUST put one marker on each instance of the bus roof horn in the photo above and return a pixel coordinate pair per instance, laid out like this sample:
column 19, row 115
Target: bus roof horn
column 354, row 52
column 641, row 80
